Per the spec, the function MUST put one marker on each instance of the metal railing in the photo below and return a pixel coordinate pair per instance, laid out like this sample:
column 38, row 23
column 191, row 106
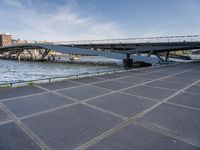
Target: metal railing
column 58, row 78
column 191, row 38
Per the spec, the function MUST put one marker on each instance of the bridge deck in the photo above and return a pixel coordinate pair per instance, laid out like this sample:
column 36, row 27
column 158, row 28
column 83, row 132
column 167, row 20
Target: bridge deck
column 154, row 109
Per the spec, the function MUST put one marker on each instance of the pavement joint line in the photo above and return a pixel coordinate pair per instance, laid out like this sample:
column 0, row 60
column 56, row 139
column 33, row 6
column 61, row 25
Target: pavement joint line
column 115, row 74
column 68, row 105
column 48, row 110
column 38, row 93
column 121, row 90
column 131, row 119
column 78, row 102
column 82, row 84
column 192, row 93
column 183, row 106
column 6, row 122
column 103, row 135
column 61, row 95
column 22, row 126
column 162, row 78
column 168, row 134
column 113, row 79
column 152, row 80
column 96, row 77
column 177, row 82
column 150, row 77
column 142, row 97
column 120, row 82
column 163, row 101
column 99, row 77
column 174, row 82
column 99, row 96
column 197, row 85
column 54, row 92
column 113, row 91
column 105, row 111
column 156, row 79
column 106, row 134
column 134, row 75
column 57, row 90
column 157, row 87
column 110, row 90
column 14, row 98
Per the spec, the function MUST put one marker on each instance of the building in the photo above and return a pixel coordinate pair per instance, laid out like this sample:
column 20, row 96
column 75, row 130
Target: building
column 19, row 41
column 5, row 39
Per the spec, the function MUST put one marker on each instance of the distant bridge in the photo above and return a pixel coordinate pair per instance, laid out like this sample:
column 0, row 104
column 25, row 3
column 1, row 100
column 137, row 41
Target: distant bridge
column 128, row 49
column 138, row 45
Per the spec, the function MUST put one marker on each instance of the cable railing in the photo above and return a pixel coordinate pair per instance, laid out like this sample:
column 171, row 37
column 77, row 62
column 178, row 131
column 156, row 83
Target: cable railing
column 191, row 38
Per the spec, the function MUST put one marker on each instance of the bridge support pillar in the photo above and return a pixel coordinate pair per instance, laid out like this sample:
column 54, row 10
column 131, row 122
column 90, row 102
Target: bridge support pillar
column 128, row 62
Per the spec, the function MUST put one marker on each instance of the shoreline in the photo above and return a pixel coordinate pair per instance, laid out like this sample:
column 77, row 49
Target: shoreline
column 63, row 78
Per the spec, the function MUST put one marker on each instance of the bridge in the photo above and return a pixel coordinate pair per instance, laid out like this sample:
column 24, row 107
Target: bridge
column 128, row 49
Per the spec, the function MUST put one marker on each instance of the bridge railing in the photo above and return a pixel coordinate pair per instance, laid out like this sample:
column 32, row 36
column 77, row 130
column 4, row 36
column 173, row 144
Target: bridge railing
column 192, row 38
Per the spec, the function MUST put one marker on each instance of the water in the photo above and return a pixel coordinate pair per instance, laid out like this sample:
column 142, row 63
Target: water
column 12, row 71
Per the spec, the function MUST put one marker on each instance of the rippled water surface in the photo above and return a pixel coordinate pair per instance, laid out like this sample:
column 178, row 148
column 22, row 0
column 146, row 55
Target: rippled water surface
column 14, row 71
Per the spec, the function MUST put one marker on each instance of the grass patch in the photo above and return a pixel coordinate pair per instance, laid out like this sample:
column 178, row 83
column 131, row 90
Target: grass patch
column 5, row 86
column 30, row 83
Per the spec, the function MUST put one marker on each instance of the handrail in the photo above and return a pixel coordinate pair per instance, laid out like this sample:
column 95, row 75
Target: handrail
column 10, row 84
column 189, row 38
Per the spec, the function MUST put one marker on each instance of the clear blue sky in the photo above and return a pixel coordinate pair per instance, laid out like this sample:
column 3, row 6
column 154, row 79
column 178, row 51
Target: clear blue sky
column 60, row 20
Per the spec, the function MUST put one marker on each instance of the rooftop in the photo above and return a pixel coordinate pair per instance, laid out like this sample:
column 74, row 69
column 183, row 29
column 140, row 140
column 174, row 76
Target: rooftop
column 155, row 108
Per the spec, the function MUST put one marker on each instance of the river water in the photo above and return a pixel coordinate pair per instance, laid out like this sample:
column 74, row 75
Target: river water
column 13, row 71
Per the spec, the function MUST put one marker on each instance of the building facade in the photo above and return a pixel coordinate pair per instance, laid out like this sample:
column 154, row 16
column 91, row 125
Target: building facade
column 5, row 40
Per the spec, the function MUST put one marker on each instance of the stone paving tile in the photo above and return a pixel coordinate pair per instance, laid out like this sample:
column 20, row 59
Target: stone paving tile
column 134, row 137
column 128, row 73
column 195, row 74
column 87, row 80
column 33, row 104
column 84, row 92
column 114, row 85
column 13, row 138
column 177, row 120
column 110, row 76
column 187, row 99
column 19, row 91
column 68, row 128
column 58, row 85
column 150, row 76
column 194, row 89
column 198, row 84
column 169, row 85
column 150, row 92
column 122, row 104
column 3, row 116
column 179, row 79
column 135, row 80
column 147, row 70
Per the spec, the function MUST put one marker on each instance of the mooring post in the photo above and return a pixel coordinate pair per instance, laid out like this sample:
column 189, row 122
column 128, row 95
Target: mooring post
column 167, row 56
column 128, row 62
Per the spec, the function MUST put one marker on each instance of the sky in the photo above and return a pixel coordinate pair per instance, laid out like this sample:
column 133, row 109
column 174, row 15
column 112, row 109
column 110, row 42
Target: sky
column 67, row 20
